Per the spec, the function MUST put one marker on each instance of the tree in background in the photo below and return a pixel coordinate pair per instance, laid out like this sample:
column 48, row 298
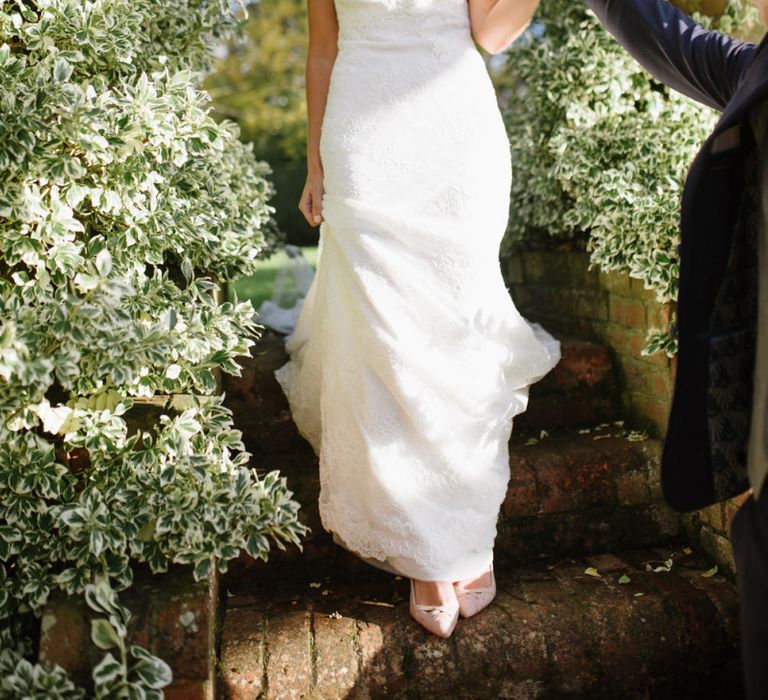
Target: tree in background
column 600, row 149
column 121, row 204
column 259, row 83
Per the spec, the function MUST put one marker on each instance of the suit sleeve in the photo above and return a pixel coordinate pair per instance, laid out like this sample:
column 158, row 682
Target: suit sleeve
column 705, row 65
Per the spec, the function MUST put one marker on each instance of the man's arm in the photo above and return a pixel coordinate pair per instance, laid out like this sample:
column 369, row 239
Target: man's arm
column 705, row 65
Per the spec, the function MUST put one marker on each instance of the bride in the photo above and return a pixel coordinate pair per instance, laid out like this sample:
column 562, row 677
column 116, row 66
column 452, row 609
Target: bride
column 409, row 359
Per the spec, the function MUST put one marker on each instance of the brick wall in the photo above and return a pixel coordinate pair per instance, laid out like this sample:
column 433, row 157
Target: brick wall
column 555, row 288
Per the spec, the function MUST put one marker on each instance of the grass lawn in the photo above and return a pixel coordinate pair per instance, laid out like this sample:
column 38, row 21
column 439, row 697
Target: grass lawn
column 258, row 287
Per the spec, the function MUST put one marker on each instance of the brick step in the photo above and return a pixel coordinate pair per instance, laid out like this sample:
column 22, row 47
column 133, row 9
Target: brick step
column 579, row 391
column 570, row 492
column 552, row 632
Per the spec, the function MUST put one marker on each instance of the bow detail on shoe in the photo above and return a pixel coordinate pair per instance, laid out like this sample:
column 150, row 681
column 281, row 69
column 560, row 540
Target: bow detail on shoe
column 438, row 619
column 473, row 600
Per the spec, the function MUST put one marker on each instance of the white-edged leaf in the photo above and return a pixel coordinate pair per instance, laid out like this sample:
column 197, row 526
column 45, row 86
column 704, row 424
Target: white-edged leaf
column 153, row 672
column 62, row 70
column 107, row 670
column 104, row 262
column 104, row 635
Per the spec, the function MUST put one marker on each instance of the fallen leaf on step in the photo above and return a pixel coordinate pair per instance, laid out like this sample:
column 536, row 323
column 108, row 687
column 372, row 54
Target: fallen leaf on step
column 624, row 579
column 563, row 561
column 710, row 573
column 592, row 571
column 377, row 602
column 663, row 566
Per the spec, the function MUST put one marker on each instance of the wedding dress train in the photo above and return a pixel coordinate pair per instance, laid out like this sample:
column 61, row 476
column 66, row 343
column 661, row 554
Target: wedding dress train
column 409, row 359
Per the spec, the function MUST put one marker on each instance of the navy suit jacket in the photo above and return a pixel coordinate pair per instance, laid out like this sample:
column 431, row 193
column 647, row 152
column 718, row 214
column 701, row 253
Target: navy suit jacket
column 704, row 456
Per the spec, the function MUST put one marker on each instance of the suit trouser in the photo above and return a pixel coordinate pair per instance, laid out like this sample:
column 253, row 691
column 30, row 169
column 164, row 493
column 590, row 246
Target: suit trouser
column 749, row 536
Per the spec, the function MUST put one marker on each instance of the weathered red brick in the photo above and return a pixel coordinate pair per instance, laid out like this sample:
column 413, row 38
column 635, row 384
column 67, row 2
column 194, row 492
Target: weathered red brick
column 606, row 562
column 649, row 411
column 659, row 315
column 289, row 663
column 522, row 497
column 506, row 643
column 582, row 364
column 181, row 633
column 65, row 639
column 384, row 648
column 242, row 669
column 615, row 282
column 335, row 641
column 572, row 652
column 633, row 488
column 191, row 690
column 617, row 337
column 627, row 312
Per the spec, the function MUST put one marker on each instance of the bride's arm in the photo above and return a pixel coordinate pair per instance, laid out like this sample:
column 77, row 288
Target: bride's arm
column 321, row 55
column 497, row 23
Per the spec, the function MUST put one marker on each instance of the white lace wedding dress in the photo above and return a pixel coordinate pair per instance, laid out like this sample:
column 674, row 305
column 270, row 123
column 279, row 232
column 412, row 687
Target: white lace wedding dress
column 409, row 359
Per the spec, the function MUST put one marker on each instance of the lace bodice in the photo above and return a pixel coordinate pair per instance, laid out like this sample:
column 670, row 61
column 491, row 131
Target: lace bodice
column 389, row 24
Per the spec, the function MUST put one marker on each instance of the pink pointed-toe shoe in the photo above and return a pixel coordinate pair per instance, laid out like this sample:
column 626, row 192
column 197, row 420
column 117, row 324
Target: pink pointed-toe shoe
column 438, row 619
column 473, row 600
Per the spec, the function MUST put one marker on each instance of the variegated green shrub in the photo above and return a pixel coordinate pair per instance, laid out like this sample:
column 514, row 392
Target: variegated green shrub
column 122, row 205
column 600, row 147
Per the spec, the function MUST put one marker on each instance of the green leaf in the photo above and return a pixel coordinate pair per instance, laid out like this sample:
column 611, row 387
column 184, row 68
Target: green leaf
column 108, row 670
column 153, row 672
column 257, row 545
column 62, row 70
column 202, row 569
column 104, row 262
column 104, row 635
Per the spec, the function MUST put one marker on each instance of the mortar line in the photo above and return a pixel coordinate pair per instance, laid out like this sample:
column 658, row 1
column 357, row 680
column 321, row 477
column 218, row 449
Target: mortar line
column 312, row 647
column 264, row 657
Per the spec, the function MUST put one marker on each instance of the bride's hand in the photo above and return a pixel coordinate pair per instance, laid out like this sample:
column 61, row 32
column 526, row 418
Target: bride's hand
column 311, row 204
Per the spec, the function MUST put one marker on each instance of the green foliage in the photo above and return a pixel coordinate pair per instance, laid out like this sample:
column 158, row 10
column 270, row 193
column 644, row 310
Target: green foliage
column 259, row 83
column 599, row 146
column 121, row 201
